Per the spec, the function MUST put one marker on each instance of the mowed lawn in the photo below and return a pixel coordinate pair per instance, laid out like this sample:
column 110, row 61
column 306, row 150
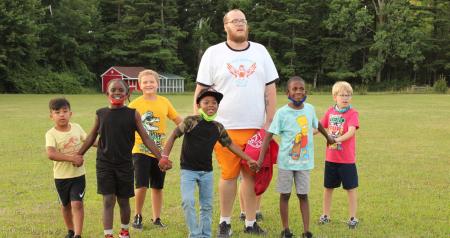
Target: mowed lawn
column 403, row 159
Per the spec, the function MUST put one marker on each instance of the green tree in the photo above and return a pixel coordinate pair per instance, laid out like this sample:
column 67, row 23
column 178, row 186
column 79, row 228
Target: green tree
column 19, row 38
column 348, row 26
column 69, row 37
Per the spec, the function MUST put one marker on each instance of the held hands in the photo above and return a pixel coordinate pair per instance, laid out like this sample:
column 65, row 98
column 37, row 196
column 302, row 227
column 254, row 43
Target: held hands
column 164, row 164
column 253, row 165
column 77, row 160
column 330, row 140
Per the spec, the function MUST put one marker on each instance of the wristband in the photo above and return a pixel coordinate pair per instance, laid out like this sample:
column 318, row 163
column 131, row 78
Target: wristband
column 164, row 156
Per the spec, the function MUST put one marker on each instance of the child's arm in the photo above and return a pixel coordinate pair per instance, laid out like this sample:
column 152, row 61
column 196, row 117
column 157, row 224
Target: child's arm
column 177, row 120
column 330, row 140
column 91, row 138
column 168, row 147
column 347, row 135
column 55, row 155
column 145, row 139
column 237, row 151
column 264, row 147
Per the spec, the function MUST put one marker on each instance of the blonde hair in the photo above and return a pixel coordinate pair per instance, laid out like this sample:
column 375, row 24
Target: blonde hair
column 341, row 86
column 148, row 72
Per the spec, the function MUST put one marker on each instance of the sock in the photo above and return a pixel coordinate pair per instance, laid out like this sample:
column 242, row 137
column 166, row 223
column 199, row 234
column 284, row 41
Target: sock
column 108, row 232
column 225, row 219
column 124, row 226
column 258, row 211
column 249, row 223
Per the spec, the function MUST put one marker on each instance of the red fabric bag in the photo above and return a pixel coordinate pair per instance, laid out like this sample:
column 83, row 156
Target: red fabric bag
column 252, row 149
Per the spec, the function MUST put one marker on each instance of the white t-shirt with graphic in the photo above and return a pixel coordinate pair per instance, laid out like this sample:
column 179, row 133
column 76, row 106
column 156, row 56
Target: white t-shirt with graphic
column 241, row 76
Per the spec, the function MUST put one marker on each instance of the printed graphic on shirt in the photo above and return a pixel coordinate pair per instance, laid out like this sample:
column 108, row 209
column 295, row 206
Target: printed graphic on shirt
column 299, row 152
column 241, row 69
column 70, row 146
column 336, row 129
column 149, row 122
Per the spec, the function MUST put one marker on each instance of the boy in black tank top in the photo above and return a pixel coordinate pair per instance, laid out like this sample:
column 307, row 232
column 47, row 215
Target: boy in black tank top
column 201, row 133
column 116, row 126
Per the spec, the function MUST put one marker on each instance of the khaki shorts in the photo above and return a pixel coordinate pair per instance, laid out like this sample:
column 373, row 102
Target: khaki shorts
column 299, row 177
column 229, row 163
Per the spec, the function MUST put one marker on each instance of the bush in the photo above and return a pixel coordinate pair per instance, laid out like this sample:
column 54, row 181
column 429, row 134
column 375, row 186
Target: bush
column 44, row 81
column 440, row 86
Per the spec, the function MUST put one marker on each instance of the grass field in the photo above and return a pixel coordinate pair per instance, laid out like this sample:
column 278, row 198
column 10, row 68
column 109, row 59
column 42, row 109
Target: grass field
column 403, row 159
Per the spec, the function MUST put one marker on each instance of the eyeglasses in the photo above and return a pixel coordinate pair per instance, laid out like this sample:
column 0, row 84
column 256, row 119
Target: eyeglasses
column 344, row 96
column 237, row 22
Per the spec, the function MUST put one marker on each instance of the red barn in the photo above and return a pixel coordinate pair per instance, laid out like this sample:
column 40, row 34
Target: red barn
column 129, row 74
column 169, row 83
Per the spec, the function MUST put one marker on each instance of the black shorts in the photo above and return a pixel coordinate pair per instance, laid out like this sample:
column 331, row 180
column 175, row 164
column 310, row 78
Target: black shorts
column 70, row 189
column 117, row 180
column 337, row 173
column 147, row 172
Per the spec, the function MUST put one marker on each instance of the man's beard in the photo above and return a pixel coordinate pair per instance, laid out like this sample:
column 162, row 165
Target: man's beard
column 239, row 38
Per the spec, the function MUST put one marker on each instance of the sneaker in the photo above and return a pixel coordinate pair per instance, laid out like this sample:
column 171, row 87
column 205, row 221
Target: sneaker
column 109, row 236
column 137, row 224
column 259, row 216
column 224, row 230
column 124, row 233
column 157, row 222
column 70, row 234
column 324, row 219
column 242, row 216
column 77, row 236
column 286, row 233
column 307, row 235
column 255, row 230
column 352, row 223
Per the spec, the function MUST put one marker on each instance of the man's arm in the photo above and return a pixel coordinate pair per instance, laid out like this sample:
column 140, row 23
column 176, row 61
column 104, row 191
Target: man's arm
column 197, row 91
column 270, row 101
column 150, row 144
column 264, row 147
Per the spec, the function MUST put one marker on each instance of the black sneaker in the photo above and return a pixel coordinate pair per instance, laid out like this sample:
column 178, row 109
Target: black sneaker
column 224, row 230
column 242, row 216
column 286, row 233
column 77, row 236
column 137, row 224
column 157, row 222
column 259, row 216
column 307, row 235
column 255, row 230
column 70, row 234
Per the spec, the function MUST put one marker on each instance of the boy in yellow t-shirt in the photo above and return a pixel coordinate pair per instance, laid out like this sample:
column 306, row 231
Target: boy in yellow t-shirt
column 154, row 111
column 62, row 144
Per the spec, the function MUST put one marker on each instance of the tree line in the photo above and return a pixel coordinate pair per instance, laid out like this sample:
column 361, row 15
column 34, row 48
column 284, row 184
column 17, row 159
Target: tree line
column 62, row 46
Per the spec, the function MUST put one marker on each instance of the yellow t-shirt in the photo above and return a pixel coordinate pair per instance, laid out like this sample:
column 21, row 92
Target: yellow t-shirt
column 154, row 114
column 68, row 143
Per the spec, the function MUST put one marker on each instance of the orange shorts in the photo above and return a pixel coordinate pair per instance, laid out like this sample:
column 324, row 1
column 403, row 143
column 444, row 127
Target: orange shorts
column 229, row 163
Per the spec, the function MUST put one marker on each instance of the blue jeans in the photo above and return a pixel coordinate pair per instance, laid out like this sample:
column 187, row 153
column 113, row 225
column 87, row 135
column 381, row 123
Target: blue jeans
column 205, row 181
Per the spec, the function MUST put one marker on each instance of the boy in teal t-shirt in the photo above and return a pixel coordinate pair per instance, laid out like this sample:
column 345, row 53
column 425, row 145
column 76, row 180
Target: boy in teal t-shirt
column 295, row 124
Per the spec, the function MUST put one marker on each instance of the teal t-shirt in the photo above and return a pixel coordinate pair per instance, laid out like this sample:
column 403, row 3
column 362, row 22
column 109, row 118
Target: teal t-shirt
column 295, row 128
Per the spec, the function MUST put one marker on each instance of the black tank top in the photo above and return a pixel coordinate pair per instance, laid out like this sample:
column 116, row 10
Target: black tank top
column 116, row 130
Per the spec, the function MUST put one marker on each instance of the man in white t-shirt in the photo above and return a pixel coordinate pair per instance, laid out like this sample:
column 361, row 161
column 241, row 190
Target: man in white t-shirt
column 245, row 74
